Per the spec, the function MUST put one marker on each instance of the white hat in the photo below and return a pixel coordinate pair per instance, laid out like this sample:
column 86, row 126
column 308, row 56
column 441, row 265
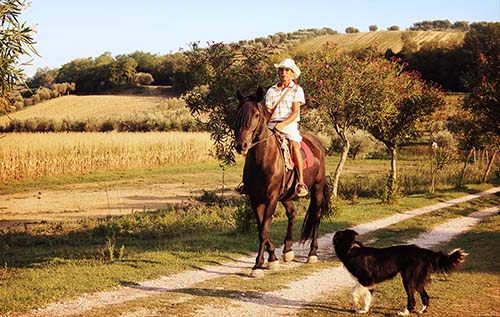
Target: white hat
column 290, row 64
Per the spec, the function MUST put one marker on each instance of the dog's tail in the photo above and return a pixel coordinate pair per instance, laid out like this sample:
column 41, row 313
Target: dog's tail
column 452, row 261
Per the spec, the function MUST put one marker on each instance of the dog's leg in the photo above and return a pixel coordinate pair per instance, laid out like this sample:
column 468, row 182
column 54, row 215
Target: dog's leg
column 425, row 301
column 410, row 293
column 362, row 299
column 356, row 296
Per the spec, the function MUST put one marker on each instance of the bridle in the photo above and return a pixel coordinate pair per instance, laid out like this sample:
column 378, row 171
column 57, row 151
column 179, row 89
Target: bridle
column 240, row 119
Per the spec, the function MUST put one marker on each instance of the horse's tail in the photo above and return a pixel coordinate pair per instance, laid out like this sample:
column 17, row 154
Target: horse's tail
column 313, row 215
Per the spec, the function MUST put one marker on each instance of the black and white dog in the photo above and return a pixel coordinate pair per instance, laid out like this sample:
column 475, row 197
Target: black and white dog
column 374, row 265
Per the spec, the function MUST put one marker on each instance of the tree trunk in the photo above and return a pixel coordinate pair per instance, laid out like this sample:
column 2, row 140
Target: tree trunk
column 433, row 183
column 392, row 182
column 488, row 167
column 340, row 165
column 433, row 173
column 462, row 174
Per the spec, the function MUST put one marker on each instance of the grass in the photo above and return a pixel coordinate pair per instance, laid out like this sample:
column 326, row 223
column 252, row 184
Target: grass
column 451, row 295
column 41, row 260
column 471, row 291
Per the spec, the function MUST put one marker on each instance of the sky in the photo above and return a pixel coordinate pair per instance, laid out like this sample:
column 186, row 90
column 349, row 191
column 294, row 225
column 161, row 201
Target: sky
column 68, row 30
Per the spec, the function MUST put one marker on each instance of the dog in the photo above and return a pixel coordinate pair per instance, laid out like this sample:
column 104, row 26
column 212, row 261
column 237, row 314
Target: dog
column 371, row 266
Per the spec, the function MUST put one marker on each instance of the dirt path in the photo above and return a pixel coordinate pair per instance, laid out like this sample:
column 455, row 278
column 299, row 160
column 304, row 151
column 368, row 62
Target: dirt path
column 284, row 301
column 76, row 202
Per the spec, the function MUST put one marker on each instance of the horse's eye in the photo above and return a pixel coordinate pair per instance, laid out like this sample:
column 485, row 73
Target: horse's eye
column 257, row 115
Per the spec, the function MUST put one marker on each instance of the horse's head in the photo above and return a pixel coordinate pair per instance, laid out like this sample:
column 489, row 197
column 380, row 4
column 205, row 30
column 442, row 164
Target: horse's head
column 252, row 119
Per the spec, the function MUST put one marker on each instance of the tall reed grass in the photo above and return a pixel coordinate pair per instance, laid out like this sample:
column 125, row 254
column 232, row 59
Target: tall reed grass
column 33, row 155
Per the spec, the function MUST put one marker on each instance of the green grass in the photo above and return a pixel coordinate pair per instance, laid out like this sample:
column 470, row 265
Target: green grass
column 451, row 296
column 471, row 291
column 40, row 260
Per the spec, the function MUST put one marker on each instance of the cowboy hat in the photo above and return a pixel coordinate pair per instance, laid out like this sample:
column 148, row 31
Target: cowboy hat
column 290, row 64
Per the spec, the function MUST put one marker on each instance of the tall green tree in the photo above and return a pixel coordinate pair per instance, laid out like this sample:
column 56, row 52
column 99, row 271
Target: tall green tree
column 123, row 70
column 335, row 84
column 218, row 71
column 16, row 40
column 400, row 103
column 482, row 46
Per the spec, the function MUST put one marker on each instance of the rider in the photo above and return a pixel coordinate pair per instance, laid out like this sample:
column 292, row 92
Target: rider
column 283, row 101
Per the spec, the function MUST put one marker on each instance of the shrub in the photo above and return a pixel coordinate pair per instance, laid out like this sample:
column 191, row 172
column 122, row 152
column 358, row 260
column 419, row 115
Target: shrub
column 143, row 79
column 244, row 219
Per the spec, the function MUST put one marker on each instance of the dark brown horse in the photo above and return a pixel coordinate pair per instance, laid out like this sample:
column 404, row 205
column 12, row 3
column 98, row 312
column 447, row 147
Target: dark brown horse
column 263, row 177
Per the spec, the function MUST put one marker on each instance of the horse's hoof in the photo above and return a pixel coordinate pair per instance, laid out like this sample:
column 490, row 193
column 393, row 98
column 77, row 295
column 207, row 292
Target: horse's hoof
column 257, row 273
column 288, row 256
column 274, row 265
column 312, row 259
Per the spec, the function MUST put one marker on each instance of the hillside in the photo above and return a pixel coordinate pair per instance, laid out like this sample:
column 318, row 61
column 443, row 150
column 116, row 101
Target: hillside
column 383, row 40
column 90, row 107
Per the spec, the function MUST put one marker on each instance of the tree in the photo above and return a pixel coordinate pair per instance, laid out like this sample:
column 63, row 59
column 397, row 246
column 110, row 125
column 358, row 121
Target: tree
column 470, row 135
column 217, row 73
column 399, row 102
column 351, row 29
column 482, row 46
column 373, row 28
column 335, row 85
column 43, row 77
column 173, row 69
column 143, row 79
column 16, row 40
column 123, row 70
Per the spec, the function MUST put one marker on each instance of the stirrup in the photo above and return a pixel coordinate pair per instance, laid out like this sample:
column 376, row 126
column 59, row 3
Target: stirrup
column 241, row 189
column 301, row 189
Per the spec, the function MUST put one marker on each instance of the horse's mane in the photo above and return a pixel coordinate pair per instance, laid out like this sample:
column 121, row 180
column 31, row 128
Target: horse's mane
column 253, row 99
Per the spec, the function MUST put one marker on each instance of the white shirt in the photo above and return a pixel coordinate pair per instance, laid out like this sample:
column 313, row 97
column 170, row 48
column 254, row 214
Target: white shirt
column 284, row 108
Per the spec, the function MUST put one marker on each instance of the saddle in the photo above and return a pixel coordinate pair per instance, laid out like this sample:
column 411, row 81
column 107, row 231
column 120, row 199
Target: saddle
column 307, row 155
column 291, row 175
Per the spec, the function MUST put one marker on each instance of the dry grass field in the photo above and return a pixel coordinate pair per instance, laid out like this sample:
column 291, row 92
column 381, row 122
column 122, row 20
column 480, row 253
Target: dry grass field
column 383, row 40
column 95, row 107
column 28, row 155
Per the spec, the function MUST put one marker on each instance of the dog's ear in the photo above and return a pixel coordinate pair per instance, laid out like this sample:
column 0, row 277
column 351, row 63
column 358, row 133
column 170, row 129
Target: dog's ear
column 352, row 234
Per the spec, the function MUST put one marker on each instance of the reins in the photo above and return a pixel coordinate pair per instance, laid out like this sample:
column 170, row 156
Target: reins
column 263, row 140
column 270, row 115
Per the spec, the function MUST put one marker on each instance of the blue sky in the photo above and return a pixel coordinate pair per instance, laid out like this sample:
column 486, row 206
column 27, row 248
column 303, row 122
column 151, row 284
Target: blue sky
column 67, row 30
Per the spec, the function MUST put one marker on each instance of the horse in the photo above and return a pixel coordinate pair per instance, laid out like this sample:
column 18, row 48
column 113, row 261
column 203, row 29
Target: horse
column 263, row 177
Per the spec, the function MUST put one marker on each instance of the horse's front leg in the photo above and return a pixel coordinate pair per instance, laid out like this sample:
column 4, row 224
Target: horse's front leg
column 264, row 214
column 291, row 212
column 259, row 211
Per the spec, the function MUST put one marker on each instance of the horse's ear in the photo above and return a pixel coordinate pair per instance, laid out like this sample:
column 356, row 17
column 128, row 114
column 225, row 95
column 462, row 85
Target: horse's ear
column 239, row 96
column 259, row 93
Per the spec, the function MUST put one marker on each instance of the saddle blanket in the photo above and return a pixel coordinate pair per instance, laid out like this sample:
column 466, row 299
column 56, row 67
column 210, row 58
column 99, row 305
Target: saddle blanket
column 307, row 157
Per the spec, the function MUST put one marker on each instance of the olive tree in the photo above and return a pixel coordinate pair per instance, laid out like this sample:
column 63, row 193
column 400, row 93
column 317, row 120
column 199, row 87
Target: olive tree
column 217, row 72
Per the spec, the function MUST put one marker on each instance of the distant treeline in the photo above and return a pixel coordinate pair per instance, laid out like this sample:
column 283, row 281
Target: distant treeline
column 440, row 25
column 24, row 97
column 136, row 124
column 105, row 72
column 440, row 62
